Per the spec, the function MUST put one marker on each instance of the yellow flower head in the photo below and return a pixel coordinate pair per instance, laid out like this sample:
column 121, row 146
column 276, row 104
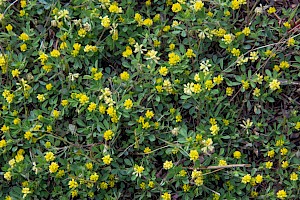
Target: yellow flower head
column 24, row 37
column 281, row 194
column 73, row 184
column 108, row 135
column 53, row 167
column 168, row 165
column 176, row 7
column 246, row 179
column 274, row 85
column 49, row 156
column 194, row 155
column 237, row 154
column 107, row 159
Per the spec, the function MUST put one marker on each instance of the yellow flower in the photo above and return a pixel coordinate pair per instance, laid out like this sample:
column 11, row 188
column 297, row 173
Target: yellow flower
column 138, row 170
column 279, row 143
column 274, row 85
column 56, row 113
column 92, row 107
column 258, row 178
column 55, row 53
column 218, row 80
column 297, row 126
column 246, row 179
column 173, row 58
column 124, row 76
column 284, row 151
column 107, row 159
column 49, row 86
column 89, row 166
column 28, row 135
column 256, row 92
column 168, row 165
column 291, row 42
column 269, row 53
column 15, row 73
column 166, row 196
column 287, row 24
column 237, row 154
column 210, row 14
column 235, row 52
column 76, row 46
column 214, row 129
column 176, row 7
column 209, row 84
column 163, row 71
column 271, row 153
column 147, row 150
column 49, row 156
column 253, row 56
column 48, row 144
column 138, row 18
column 127, row 52
column 235, row 4
column 7, row 176
column 284, row 65
column 294, row 176
column 73, row 184
column 143, row 185
column 22, row 13
column 9, row 27
column 19, row 158
column 2, row 143
column 151, row 184
column 178, row 118
column 113, row 8
column 156, row 18
column 246, row 31
column 108, row 135
column 81, row 32
column 41, row 97
column 94, row 177
column 166, row 28
column 271, row 10
column 194, row 155
column 128, row 104
column 198, row 5
column 281, row 194
column 64, row 102
column 23, row 47
column 24, row 37
column 25, row 191
column 190, row 53
column 83, row 99
column 53, row 167
column 8, row 198
column 269, row 164
column 103, row 185
column 74, row 193
column 105, row 21
column 172, row 46
column 149, row 114
column 148, row 22
column 245, row 84
column 222, row 163
column 284, row 164
column 227, row 38
column 63, row 45
column 229, row 91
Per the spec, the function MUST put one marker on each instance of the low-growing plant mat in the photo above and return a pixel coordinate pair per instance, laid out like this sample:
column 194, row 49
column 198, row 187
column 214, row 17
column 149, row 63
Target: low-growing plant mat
column 151, row 99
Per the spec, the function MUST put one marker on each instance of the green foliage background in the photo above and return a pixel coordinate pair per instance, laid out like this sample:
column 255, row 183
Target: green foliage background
column 149, row 100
